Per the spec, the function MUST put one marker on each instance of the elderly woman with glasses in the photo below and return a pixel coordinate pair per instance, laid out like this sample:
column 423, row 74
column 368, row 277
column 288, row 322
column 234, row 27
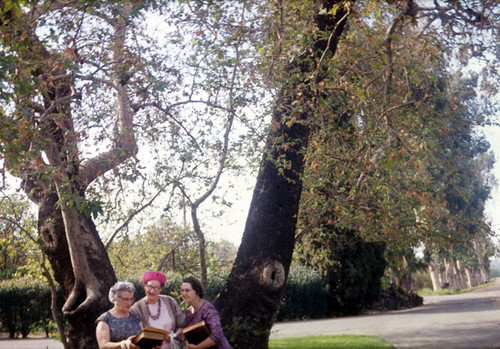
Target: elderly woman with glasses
column 159, row 310
column 117, row 327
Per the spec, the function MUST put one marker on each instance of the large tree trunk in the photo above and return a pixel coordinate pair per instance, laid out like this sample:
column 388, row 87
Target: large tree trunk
column 70, row 239
column 254, row 289
column 82, row 312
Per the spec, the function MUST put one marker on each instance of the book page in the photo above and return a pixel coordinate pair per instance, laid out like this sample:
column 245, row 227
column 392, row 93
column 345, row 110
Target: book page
column 154, row 329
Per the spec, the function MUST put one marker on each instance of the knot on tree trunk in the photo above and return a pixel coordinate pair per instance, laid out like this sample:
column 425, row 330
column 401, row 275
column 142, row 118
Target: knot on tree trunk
column 273, row 275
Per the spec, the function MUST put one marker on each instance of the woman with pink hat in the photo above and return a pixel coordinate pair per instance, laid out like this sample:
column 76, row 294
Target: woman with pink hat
column 159, row 310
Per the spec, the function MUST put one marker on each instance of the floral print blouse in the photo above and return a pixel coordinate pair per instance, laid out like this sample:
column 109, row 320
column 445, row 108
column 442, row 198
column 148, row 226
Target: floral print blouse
column 208, row 313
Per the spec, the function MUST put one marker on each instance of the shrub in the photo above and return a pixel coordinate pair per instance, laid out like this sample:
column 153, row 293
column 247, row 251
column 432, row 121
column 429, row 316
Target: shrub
column 422, row 280
column 25, row 306
column 305, row 296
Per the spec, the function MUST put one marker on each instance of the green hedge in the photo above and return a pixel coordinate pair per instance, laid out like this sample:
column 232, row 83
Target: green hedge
column 25, row 307
column 306, row 296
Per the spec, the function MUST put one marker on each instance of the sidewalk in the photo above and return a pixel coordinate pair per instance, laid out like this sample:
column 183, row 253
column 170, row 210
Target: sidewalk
column 30, row 343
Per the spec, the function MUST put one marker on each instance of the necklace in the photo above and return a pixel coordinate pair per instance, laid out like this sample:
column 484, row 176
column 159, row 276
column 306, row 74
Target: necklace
column 157, row 316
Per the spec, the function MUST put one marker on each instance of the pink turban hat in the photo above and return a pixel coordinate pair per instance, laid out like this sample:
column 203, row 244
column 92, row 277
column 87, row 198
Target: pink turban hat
column 154, row 275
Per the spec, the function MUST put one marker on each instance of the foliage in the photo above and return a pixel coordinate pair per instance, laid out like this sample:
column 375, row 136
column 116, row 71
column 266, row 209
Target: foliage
column 352, row 269
column 305, row 296
column 388, row 117
column 19, row 252
column 327, row 342
column 172, row 249
column 25, row 306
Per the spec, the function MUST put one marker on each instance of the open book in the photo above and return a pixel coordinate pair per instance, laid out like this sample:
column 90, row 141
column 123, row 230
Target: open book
column 150, row 337
column 196, row 333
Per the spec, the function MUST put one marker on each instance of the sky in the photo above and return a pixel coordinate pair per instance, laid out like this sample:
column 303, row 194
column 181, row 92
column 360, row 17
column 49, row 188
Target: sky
column 231, row 225
column 492, row 209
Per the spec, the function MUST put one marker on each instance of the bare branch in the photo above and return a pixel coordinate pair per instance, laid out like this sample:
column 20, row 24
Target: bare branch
column 125, row 144
column 135, row 213
column 99, row 80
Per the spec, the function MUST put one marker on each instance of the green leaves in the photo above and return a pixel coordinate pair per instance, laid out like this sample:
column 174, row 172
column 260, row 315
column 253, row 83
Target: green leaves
column 14, row 5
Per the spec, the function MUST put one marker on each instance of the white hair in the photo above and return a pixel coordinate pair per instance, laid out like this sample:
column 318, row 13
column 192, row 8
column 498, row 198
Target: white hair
column 118, row 288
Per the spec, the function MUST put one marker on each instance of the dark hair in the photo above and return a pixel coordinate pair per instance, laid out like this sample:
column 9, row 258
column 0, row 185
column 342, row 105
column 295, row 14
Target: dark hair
column 196, row 285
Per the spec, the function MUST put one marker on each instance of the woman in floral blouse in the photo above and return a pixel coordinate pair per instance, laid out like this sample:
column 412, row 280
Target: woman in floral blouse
column 200, row 309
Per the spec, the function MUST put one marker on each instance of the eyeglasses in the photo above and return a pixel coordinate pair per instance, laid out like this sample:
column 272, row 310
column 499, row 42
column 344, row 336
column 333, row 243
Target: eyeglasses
column 127, row 299
column 153, row 288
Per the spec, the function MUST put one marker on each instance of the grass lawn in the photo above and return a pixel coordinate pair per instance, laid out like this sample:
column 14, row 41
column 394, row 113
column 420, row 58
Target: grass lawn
column 329, row 342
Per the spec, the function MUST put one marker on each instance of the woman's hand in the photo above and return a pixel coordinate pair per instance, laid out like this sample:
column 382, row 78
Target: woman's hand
column 130, row 345
column 178, row 333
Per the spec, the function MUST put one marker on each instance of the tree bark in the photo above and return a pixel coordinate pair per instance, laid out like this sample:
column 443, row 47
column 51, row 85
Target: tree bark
column 85, row 290
column 253, row 292
column 436, row 284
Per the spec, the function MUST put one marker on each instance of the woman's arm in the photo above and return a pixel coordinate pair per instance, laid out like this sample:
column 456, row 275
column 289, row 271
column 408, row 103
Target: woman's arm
column 102, row 335
column 103, row 339
column 212, row 320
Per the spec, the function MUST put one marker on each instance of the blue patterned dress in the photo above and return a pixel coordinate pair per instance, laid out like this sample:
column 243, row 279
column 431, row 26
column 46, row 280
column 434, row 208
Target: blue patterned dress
column 121, row 328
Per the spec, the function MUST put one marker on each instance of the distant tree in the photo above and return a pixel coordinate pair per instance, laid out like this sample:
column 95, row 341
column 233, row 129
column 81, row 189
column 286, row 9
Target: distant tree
column 169, row 248
column 15, row 245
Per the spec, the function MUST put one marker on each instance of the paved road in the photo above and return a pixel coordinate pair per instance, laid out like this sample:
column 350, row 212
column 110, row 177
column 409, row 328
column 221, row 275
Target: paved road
column 470, row 320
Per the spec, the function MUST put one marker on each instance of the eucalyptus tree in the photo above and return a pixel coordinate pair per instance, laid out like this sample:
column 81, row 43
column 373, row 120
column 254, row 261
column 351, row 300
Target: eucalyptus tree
column 252, row 295
column 462, row 164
